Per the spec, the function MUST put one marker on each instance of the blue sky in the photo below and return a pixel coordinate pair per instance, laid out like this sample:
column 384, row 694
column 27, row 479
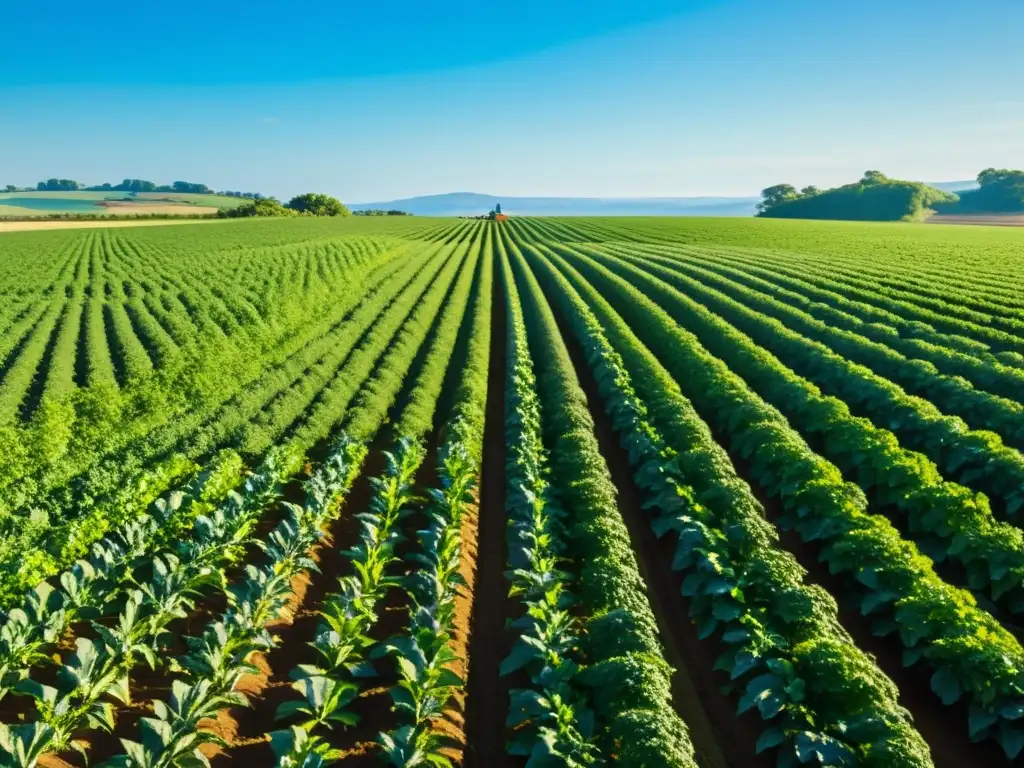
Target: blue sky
column 375, row 101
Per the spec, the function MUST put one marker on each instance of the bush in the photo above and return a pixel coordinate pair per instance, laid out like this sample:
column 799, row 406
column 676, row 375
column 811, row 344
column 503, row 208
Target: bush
column 318, row 204
column 265, row 207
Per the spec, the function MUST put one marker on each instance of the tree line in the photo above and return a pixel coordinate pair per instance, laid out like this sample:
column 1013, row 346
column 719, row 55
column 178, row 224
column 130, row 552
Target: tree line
column 131, row 186
column 141, row 185
column 876, row 197
column 380, row 212
column 309, row 204
column 246, row 195
column 128, row 185
column 1000, row 190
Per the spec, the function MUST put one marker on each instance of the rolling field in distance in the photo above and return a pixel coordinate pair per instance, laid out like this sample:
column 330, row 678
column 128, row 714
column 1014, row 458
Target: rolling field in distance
column 548, row 491
column 21, row 204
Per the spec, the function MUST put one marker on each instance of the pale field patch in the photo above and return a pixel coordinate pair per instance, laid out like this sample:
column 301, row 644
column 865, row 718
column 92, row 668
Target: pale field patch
column 23, row 226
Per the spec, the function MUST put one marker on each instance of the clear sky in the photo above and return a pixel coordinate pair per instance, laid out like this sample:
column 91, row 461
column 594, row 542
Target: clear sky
column 374, row 101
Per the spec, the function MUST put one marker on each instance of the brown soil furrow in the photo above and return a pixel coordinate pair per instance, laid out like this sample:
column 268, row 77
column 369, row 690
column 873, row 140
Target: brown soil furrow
column 486, row 691
column 249, row 742
column 147, row 685
column 943, row 728
column 720, row 737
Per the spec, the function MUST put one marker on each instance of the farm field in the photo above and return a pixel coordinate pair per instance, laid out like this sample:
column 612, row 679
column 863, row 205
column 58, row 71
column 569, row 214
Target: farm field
column 407, row 491
column 22, row 204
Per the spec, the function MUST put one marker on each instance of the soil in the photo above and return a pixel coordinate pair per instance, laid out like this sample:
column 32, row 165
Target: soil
column 720, row 737
column 246, row 729
column 487, row 691
column 981, row 219
column 943, row 728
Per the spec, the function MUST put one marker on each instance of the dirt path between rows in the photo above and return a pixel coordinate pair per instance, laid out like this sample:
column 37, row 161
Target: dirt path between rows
column 943, row 728
column 487, row 692
column 721, row 738
column 980, row 220
column 246, row 729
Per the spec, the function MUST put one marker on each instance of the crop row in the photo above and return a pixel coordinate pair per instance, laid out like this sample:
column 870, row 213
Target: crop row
column 947, row 520
column 347, row 649
column 969, row 654
column 974, row 362
column 743, row 589
column 204, row 430
column 625, row 676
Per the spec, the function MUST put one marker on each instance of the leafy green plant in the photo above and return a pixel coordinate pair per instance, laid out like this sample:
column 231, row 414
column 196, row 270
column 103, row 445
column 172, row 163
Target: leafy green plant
column 80, row 698
column 123, row 565
column 219, row 658
column 295, row 748
column 173, row 736
column 24, row 745
column 551, row 721
column 326, row 702
column 411, row 747
column 425, row 656
column 828, row 510
column 26, row 633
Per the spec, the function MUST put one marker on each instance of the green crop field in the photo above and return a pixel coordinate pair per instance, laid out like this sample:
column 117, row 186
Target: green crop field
column 542, row 492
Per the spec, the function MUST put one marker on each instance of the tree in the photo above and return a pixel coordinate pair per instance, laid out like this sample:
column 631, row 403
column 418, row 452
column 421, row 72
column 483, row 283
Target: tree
column 1001, row 177
column 775, row 196
column 137, row 185
column 58, row 185
column 10, row 188
column 874, row 177
column 1000, row 190
column 190, row 187
column 810, row 191
column 380, row 212
column 318, row 204
column 267, row 206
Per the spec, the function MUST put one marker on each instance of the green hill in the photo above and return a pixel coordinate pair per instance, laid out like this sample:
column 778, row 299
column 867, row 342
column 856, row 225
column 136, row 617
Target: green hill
column 875, row 197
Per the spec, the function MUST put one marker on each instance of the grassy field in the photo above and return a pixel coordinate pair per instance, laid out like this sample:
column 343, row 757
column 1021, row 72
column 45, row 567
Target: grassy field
column 146, row 202
column 650, row 492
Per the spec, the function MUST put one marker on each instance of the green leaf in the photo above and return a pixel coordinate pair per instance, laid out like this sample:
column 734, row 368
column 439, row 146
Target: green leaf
column 1011, row 739
column 980, row 720
column 525, row 650
column 773, row 737
column 946, row 685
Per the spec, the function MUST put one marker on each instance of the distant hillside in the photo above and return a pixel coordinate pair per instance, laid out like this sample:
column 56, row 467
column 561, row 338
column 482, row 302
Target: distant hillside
column 953, row 186
column 473, row 204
